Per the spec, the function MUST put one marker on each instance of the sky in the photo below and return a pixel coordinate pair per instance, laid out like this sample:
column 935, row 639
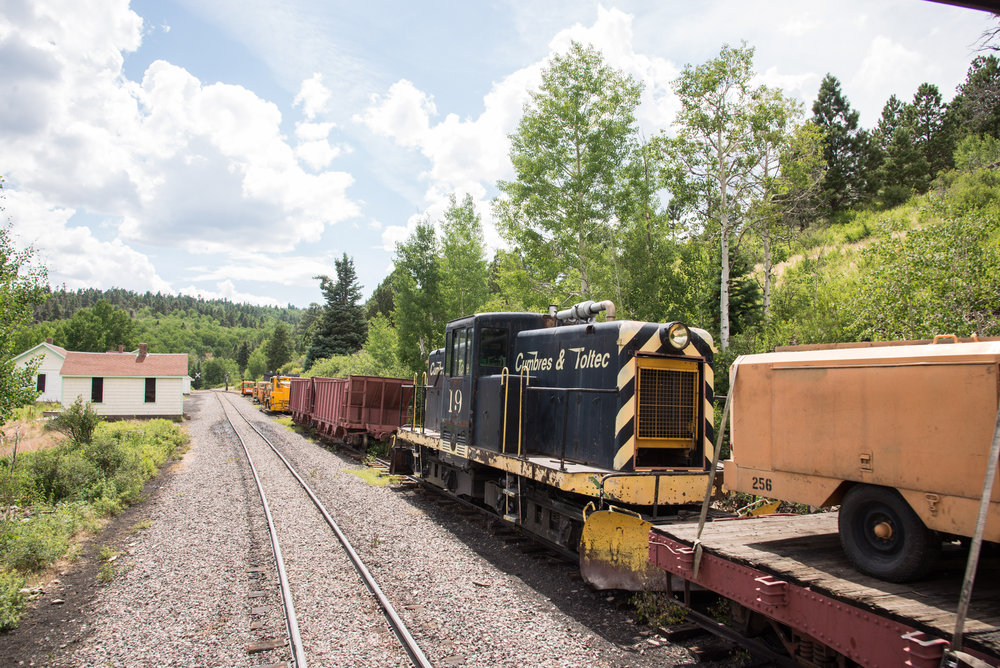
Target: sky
column 235, row 148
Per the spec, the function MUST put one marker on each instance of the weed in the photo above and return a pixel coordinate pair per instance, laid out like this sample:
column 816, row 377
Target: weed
column 657, row 609
column 61, row 491
column 107, row 572
column 720, row 611
column 373, row 477
column 140, row 525
column 107, row 555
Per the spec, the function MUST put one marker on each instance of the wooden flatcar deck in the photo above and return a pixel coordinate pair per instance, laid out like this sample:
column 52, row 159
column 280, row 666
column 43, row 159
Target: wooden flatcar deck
column 805, row 550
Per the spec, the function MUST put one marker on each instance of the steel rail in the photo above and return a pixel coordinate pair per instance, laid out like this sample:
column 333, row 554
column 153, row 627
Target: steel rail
column 298, row 652
column 395, row 622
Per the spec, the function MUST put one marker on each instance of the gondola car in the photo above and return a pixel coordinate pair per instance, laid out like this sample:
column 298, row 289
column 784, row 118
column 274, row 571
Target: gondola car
column 548, row 418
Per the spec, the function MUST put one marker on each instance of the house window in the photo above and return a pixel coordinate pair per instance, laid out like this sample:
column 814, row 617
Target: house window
column 96, row 390
column 150, row 390
column 40, row 383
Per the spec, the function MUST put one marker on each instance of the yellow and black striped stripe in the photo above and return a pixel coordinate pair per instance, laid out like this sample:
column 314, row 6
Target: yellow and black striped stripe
column 644, row 337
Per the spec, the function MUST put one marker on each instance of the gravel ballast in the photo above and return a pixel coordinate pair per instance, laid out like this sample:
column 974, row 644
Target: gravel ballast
column 189, row 587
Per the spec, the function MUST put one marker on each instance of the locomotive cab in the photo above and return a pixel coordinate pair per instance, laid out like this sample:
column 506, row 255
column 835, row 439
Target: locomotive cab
column 477, row 349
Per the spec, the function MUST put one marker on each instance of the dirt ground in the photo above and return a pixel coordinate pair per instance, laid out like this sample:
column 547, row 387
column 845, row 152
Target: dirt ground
column 27, row 435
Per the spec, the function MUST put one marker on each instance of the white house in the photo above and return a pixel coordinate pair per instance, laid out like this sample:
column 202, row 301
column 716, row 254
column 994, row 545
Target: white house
column 47, row 379
column 126, row 384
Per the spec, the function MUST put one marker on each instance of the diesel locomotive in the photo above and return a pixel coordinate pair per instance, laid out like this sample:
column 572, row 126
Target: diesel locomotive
column 581, row 432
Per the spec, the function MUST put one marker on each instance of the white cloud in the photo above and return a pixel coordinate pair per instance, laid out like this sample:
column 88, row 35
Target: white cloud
column 313, row 96
column 884, row 60
column 176, row 162
column 227, row 290
column 296, row 270
column 72, row 254
column 403, row 114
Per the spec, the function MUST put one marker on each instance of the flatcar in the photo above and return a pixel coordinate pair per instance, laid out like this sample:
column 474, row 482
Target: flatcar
column 550, row 419
column 904, row 437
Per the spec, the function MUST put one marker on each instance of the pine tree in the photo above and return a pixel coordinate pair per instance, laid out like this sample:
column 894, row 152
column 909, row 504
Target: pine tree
column 845, row 145
column 243, row 356
column 343, row 328
column 976, row 107
column 931, row 134
column 278, row 349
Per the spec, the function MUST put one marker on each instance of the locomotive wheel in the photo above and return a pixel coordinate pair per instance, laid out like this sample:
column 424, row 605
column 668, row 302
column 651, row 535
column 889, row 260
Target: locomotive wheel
column 882, row 536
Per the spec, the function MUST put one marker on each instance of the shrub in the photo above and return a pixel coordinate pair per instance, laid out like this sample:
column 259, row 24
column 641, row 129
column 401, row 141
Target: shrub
column 11, row 599
column 107, row 453
column 78, row 421
column 29, row 546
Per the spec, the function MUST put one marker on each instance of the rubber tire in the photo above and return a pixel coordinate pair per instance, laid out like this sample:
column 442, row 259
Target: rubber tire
column 910, row 552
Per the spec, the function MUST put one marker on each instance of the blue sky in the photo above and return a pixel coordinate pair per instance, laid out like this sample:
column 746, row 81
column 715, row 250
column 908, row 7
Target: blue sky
column 236, row 148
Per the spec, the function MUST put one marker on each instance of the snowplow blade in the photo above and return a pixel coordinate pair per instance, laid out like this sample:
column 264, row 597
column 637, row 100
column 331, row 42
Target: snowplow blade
column 614, row 553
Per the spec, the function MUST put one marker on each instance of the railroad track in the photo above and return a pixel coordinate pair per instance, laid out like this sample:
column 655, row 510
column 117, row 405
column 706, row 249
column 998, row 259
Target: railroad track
column 298, row 650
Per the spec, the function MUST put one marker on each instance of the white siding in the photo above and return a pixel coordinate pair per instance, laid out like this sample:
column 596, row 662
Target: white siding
column 50, row 366
column 126, row 396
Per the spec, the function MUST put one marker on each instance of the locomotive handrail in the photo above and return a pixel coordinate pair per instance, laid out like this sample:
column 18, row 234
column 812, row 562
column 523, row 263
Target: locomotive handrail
column 423, row 402
column 525, row 376
column 505, row 383
column 413, row 420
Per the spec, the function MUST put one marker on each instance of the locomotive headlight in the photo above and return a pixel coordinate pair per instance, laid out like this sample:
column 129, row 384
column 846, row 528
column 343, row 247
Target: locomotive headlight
column 678, row 335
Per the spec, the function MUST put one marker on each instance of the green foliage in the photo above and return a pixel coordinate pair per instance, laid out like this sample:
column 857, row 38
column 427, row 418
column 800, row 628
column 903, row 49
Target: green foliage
column 725, row 159
column 215, row 371
column 342, row 327
column 99, row 329
column 383, row 345
column 62, row 490
column 278, row 349
column 845, row 145
column 21, row 289
column 657, row 608
column 419, row 310
column 78, row 421
column 257, row 364
column 11, row 598
column 28, row 546
column 932, row 280
column 464, row 271
column 975, row 110
column 571, row 155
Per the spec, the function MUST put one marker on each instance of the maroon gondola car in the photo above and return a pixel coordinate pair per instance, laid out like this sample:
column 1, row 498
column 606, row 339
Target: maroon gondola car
column 300, row 400
column 357, row 407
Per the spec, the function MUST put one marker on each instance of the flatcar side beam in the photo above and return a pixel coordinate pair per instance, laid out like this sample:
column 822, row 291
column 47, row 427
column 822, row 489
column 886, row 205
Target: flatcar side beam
column 858, row 634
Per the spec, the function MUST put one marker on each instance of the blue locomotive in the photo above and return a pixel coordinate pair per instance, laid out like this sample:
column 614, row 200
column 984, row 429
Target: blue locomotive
column 543, row 417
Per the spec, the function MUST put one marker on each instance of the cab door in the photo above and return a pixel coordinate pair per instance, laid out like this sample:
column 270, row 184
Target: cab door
column 457, row 408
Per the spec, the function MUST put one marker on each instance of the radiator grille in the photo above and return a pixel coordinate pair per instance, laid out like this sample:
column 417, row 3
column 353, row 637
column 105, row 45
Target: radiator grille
column 668, row 404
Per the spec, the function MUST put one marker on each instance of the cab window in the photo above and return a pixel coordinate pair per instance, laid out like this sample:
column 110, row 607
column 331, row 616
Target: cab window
column 459, row 363
column 492, row 350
